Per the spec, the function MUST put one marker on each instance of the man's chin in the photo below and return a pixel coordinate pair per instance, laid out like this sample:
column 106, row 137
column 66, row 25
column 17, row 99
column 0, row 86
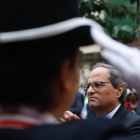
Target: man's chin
column 93, row 105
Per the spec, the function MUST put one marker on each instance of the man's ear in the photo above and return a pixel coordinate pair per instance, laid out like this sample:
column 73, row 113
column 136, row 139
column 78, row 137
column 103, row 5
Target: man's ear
column 120, row 91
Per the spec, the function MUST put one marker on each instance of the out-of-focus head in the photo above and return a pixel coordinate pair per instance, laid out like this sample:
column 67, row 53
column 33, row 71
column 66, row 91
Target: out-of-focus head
column 39, row 43
column 132, row 95
column 106, row 88
column 33, row 75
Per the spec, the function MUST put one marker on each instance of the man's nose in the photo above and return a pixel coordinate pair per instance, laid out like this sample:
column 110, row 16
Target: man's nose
column 90, row 90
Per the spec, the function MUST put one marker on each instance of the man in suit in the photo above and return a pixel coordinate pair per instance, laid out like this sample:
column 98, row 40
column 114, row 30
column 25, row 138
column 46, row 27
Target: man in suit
column 106, row 91
column 39, row 43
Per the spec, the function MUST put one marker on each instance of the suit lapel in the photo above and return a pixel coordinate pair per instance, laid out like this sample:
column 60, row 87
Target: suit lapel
column 119, row 115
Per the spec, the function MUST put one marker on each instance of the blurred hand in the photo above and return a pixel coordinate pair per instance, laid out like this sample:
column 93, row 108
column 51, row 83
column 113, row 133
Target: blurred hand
column 68, row 116
column 124, row 58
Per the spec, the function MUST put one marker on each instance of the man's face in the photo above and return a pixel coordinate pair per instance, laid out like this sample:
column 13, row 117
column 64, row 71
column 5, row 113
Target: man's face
column 132, row 96
column 105, row 98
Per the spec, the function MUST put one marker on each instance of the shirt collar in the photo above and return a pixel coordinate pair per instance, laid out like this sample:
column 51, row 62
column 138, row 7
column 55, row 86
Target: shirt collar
column 111, row 114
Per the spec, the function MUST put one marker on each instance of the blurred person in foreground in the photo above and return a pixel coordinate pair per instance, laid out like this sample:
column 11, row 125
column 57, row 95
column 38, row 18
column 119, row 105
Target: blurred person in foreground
column 39, row 43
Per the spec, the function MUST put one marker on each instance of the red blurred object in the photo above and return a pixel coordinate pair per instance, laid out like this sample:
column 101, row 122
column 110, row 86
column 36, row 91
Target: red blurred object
column 128, row 107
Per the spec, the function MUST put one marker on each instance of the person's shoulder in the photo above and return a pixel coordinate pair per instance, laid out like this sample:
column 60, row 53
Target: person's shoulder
column 132, row 117
column 97, row 128
column 79, row 93
column 126, row 118
column 136, row 116
column 132, row 123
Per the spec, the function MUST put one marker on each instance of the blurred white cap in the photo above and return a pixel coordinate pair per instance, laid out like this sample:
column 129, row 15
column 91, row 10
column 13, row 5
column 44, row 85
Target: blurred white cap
column 128, row 91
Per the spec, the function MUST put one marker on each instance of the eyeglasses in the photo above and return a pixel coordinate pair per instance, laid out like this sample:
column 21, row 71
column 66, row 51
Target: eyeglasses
column 96, row 86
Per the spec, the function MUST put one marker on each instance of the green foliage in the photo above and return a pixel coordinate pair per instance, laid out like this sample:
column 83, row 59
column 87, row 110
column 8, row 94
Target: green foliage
column 93, row 8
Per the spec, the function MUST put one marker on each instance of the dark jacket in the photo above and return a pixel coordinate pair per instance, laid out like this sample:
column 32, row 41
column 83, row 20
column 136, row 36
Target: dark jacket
column 77, row 106
column 90, row 112
column 129, row 120
column 95, row 129
column 138, row 108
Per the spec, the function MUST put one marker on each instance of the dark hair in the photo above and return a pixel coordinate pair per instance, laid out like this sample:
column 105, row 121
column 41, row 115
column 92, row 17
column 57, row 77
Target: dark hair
column 28, row 70
column 115, row 78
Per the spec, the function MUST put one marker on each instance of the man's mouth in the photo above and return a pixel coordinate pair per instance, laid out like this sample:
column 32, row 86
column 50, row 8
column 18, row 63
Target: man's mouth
column 92, row 97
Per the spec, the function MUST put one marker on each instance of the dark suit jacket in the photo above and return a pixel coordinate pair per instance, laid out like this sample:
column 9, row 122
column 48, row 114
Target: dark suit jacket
column 90, row 112
column 138, row 108
column 77, row 106
column 129, row 120
column 95, row 129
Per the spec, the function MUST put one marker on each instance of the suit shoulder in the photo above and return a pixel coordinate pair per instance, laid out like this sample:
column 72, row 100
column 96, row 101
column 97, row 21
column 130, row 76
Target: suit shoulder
column 132, row 122
column 131, row 119
column 132, row 116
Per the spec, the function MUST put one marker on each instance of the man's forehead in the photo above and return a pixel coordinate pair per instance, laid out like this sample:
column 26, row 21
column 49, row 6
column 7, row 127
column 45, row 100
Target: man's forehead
column 99, row 73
